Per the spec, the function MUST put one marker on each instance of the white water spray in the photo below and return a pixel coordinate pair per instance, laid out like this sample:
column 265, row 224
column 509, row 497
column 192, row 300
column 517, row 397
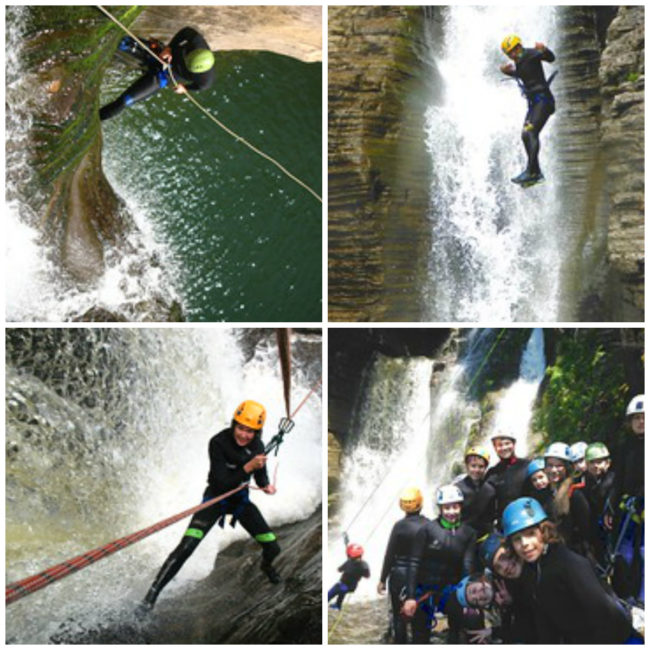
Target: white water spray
column 515, row 409
column 37, row 288
column 495, row 252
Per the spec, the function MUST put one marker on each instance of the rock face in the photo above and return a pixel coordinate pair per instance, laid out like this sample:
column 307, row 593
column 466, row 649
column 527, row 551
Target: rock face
column 378, row 238
column 622, row 78
column 66, row 50
column 372, row 73
column 292, row 31
column 235, row 604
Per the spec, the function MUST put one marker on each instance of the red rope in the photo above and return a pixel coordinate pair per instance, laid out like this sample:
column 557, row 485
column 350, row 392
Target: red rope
column 307, row 396
column 17, row 590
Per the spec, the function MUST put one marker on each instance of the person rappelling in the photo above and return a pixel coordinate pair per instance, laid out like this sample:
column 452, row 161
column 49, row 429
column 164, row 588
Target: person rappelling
column 189, row 57
column 352, row 571
column 236, row 455
column 526, row 68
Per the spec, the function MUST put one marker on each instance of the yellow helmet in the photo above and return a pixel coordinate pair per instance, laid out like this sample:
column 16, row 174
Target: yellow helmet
column 410, row 500
column 480, row 451
column 250, row 414
column 510, row 42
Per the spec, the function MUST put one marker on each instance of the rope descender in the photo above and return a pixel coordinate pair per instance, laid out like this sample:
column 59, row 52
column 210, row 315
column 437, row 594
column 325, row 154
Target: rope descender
column 285, row 425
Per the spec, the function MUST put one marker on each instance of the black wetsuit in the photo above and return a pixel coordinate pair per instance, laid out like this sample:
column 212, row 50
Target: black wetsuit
column 508, row 478
column 443, row 556
column 186, row 40
column 541, row 103
column 570, row 603
column 518, row 618
column 397, row 560
column 227, row 460
column 599, row 492
column 479, row 505
column 629, row 487
column 352, row 571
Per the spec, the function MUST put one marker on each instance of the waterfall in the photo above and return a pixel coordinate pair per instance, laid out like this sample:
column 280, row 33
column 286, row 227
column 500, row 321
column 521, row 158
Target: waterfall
column 412, row 431
column 107, row 432
column 408, row 434
column 38, row 288
column 496, row 247
column 515, row 409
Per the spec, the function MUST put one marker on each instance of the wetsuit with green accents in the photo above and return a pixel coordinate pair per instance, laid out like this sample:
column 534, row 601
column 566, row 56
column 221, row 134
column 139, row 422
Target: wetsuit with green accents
column 541, row 103
column 186, row 41
column 227, row 460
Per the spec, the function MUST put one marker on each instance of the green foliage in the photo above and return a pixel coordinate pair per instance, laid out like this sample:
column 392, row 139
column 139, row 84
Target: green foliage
column 585, row 393
column 632, row 76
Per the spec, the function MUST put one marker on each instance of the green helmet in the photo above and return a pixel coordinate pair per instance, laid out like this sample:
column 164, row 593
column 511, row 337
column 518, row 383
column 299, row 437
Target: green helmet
column 596, row 451
column 199, row 61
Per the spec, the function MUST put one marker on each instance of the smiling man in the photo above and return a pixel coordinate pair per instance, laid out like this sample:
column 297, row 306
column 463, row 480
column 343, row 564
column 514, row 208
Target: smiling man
column 236, row 456
column 509, row 475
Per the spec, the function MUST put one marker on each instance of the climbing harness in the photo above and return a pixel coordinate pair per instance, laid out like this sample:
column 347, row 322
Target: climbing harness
column 167, row 67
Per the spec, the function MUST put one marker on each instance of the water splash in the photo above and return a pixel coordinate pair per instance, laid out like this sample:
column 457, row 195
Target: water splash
column 495, row 247
column 38, row 288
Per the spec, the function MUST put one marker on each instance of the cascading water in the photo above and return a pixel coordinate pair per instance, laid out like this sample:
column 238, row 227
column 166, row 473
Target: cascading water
column 107, row 433
column 412, row 433
column 496, row 248
column 407, row 433
column 37, row 288
column 515, row 408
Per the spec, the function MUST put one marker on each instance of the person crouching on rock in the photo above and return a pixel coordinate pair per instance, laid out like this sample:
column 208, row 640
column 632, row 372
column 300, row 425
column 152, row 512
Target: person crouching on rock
column 352, row 570
column 236, row 455
column 192, row 66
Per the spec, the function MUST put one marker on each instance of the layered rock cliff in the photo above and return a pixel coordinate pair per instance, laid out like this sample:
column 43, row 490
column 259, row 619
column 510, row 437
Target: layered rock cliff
column 373, row 78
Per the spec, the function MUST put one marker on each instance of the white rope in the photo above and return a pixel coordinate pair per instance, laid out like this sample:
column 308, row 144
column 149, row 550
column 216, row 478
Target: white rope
column 202, row 108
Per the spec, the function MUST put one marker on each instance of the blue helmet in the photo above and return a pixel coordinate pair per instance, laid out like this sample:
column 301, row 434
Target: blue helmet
column 489, row 548
column 534, row 466
column 520, row 514
column 460, row 591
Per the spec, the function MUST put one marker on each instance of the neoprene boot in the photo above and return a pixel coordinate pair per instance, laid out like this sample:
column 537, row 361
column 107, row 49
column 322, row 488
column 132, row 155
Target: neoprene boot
column 270, row 550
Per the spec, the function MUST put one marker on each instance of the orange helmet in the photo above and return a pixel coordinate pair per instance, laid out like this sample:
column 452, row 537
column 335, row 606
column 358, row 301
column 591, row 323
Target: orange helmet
column 354, row 550
column 250, row 414
column 410, row 500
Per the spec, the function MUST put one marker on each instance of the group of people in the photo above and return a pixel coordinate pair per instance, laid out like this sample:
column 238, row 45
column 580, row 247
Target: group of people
column 542, row 550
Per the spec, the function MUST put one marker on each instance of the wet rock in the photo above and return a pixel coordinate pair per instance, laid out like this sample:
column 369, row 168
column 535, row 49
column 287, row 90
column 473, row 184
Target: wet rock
column 235, row 604
column 374, row 203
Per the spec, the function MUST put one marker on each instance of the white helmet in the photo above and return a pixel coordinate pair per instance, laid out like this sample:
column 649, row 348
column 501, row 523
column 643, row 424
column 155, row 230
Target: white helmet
column 449, row 494
column 637, row 405
column 558, row 450
column 577, row 451
column 503, row 434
